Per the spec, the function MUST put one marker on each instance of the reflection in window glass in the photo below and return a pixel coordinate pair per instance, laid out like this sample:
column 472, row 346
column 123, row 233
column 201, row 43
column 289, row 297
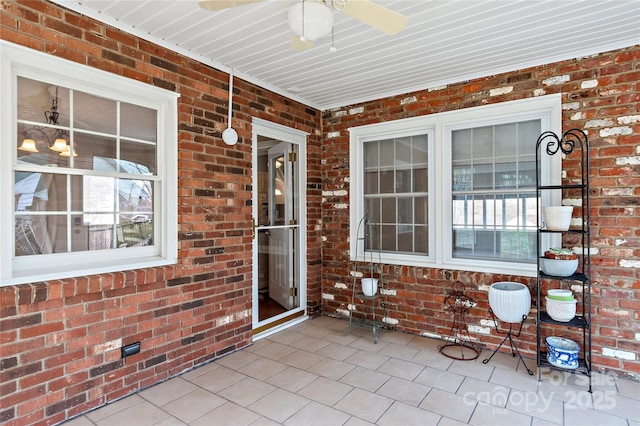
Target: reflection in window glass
column 137, row 158
column 494, row 201
column 137, row 122
column 94, row 113
column 93, row 198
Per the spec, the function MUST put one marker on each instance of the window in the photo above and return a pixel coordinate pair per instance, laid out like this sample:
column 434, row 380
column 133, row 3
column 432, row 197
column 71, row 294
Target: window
column 493, row 195
column 396, row 194
column 454, row 190
column 89, row 178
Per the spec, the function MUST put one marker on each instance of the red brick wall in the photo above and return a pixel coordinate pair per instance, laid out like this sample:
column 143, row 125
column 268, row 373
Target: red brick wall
column 54, row 363
column 600, row 94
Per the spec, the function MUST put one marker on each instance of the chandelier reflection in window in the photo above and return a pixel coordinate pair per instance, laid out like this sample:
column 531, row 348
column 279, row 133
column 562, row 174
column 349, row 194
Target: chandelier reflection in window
column 60, row 144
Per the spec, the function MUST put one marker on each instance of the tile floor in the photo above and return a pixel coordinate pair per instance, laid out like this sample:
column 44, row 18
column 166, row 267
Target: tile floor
column 312, row 374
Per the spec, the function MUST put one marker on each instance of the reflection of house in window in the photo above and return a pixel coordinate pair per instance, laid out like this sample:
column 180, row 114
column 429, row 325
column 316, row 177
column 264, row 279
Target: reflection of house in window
column 112, row 212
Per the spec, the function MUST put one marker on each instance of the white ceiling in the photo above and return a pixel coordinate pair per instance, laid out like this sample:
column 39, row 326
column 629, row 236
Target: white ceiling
column 444, row 42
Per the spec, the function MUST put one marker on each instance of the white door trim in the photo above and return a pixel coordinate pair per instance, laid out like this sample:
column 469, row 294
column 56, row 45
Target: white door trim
column 299, row 138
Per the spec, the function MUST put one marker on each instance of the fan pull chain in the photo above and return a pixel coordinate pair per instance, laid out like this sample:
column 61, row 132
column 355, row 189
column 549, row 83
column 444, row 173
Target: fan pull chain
column 302, row 36
column 333, row 46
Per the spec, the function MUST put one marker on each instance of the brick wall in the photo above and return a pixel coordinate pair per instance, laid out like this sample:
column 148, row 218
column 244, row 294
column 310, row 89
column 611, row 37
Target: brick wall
column 60, row 339
column 600, row 94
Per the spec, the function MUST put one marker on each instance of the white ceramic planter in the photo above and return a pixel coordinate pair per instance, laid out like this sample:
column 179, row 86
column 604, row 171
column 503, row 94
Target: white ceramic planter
column 561, row 310
column 509, row 301
column 558, row 267
column 369, row 286
column 557, row 218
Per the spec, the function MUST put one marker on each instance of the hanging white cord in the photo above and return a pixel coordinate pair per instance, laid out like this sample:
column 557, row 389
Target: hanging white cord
column 230, row 97
column 230, row 136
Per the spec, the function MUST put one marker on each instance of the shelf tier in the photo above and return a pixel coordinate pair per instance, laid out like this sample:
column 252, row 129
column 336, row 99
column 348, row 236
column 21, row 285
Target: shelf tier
column 572, row 186
column 578, row 276
column 363, row 296
column 578, row 321
column 568, row 231
column 583, row 367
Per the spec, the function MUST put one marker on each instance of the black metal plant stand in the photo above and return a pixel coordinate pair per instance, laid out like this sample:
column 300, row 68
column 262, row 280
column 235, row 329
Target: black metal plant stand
column 509, row 335
column 460, row 347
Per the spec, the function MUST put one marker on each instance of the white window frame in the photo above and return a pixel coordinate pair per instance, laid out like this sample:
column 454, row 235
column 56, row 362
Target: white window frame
column 383, row 131
column 546, row 108
column 28, row 63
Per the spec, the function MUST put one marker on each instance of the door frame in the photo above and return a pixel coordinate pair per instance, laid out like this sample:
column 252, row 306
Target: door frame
column 282, row 133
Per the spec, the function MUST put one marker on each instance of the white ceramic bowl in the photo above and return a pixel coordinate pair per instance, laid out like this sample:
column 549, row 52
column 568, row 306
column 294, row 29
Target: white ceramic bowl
column 561, row 310
column 558, row 267
column 560, row 292
column 557, row 218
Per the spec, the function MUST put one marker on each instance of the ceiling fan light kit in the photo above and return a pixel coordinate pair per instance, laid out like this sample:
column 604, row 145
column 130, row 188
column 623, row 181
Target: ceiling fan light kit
column 311, row 19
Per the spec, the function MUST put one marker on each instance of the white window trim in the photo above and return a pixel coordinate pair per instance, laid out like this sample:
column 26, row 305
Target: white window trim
column 387, row 130
column 547, row 108
column 21, row 61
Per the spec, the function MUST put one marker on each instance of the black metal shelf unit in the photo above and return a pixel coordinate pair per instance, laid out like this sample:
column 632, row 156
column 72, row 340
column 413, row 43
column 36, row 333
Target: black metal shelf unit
column 574, row 142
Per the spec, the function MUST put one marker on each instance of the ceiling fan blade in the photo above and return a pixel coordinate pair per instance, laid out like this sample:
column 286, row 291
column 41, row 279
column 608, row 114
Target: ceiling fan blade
column 298, row 45
column 224, row 4
column 379, row 17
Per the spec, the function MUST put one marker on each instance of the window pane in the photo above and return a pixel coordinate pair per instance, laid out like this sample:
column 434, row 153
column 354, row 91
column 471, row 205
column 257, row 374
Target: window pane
column 387, row 153
column 403, row 152
column 388, row 238
column 135, row 195
column 372, row 242
column 35, row 146
column 461, row 178
column 421, row 210
column 371, row 182
column 420, row 179
column 482, row 176
column 95, row 152
column 370, row 154
column 500, row 226
column 528, row 132
column 98, row 197
column 405, row 238
column 40, row 102
column 421, row 239
column 138, row 122
column 403, row 181
column 40, row 234
column 40, row 192
column 77, row 191
column 506, row 141
column 482, row 142
column 405, row 210
column 506, row 175
column 387, row 182
column 94, row 113
column 137, row 158
column 461, row 145
column 419, row 146
column 389, row 210
column 373, row 209
column 527, row 174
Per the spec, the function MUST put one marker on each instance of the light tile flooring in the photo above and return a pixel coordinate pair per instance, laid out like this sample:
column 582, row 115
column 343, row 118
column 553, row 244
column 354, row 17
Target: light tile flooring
column 312, row 374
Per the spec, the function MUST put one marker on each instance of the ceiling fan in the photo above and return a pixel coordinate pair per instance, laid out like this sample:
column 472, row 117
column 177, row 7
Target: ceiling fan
column 313, row 19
